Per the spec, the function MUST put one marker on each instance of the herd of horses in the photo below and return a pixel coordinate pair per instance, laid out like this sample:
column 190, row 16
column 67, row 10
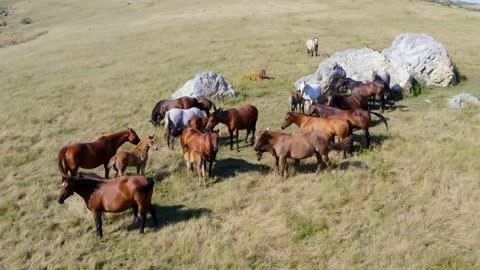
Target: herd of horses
column 324, row 128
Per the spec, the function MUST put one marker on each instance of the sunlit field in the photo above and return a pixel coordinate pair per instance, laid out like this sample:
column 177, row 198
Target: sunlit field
column 84, row 69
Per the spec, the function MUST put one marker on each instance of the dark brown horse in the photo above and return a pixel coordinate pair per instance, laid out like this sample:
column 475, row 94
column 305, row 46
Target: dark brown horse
column 359, row 118
column 352, row 102
column 163, row 106
column 374, row 90
column 235, row 119
column 204, row 143
column 297, row 147
column 330, row 127
column 112, row 196
column 94, row 154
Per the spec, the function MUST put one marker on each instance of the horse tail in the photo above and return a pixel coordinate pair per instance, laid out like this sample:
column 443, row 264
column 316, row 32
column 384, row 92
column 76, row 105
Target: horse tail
column 112, row 161
column 148, row 187
column 381, row 117
column 167, row 119
column 61, row 161
column 343, row 145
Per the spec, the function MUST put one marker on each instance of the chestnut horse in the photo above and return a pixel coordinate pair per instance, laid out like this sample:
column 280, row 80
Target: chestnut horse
column 284, row 145
column 94, row 154
column 196, row 158
column 352, row 102
column 359, row 118
column 112, row 196
column 205, row 143
column 235, row 119
column 163, row 106
column 330, row 127
column 197, row 122
column 138, row 157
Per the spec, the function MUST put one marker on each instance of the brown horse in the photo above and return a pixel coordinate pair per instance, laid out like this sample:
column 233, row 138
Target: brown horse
column 330, row 127
column 297, row 147
column 138, row 157
column 235, row 119
column 359, row 118
column 163, row 106
column 374, row 90
column 205, row 143
column 295, row 99
column 352, row 102
column 112, row 196
column 94, row 154
column 198, row 123
column 194, row 157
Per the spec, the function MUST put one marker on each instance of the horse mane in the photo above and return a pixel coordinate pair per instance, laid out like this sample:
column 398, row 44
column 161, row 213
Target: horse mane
column 89, row 182
column 112, row 135
column 156, row 109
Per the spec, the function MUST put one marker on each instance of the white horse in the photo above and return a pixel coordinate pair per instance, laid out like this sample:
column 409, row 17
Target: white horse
column 312, row 46
column 310, row 92
column 176, row 120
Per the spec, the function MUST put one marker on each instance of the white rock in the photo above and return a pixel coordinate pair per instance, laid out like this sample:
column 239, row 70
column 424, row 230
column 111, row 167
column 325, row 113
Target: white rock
column 461, row 100
column 205, row 84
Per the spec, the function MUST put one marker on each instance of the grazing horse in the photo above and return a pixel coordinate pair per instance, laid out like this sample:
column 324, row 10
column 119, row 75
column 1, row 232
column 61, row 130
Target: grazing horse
column 310, row 92
column 138, row 157
column 177, row 120
column 295, row 99
column 163, row 106
column 94, row 154
column 347, row 83
column 359, row 118
column 330, row 127
column 112, row 196
column 284, row 145
column 312, row 46
column 373, row 90
column 351, row 102
column 205, row 143
column 382, row 76
column 196, row 158
column 235, row 119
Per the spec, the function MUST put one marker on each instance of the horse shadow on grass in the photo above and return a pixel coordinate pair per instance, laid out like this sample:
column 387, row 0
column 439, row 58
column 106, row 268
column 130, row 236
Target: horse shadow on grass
column 360, row 142
column 229, row 167
column 172, row 214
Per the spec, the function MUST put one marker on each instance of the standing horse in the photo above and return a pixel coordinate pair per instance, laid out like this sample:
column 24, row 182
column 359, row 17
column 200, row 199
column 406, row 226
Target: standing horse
column 373, row 90
column 330, row 127
column 312, row 46
column 297, row 147
column 94, row 154
column 163, row 106
column 112, row 196
column 235, row 119
column 382, row 76
column 177, row 120
column 196, row 158
column 138, row 157
column 205, row 143
column 359, row 118
column 295, row 99
column 310, row 92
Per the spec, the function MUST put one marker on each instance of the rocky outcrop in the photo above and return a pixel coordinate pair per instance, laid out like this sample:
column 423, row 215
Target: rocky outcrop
column 461, row 100
column 417, row 56
column 206, row 84
column 425, row 58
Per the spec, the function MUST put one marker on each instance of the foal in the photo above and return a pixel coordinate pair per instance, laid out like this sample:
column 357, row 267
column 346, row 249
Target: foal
column 295, row 99
column 112, row 196
column 194, row 157
column 138, row 157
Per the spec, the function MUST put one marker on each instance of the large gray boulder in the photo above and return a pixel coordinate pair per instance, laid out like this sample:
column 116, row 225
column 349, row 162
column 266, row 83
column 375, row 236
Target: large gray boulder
column 424, row 57
column 327, row 76
column 205, row 84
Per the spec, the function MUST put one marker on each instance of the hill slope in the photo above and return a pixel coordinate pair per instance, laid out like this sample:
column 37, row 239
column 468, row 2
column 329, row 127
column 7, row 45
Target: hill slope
column 412, row 202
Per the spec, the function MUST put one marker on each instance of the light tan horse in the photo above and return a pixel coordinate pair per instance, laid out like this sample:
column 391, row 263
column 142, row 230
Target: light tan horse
column 138, row 157
column 195, row 157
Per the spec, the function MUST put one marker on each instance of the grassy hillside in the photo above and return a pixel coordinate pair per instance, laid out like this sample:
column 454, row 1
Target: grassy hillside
column 411, row 202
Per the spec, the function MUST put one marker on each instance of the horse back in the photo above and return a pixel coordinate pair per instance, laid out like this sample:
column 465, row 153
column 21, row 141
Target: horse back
column 244, row 117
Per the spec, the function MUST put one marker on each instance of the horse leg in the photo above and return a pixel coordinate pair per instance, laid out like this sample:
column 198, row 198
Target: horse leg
column 319, row 162
column 283, row 167
column 382, row 103
column 327, row 161
column 236, row 135
column 253, row 135
column 107, row 170
column 276, row 165
column 98, row 223
column 297, row 166
column 135, row 214
column 246, row 138
column 154, row 215
column 367, row 137
column 210, row 169
column 143, row 218
column 138, row 169
column 231, row 138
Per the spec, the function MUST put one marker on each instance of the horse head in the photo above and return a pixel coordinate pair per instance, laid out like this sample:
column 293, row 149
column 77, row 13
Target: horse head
column 66, row 189
column 132, row 136
column 152, row 142
column 288, row 120
column 213, row 119
column 315, row 40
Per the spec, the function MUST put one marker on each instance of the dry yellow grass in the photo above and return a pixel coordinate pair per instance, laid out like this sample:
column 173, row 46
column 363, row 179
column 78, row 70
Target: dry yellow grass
column 412, row 202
